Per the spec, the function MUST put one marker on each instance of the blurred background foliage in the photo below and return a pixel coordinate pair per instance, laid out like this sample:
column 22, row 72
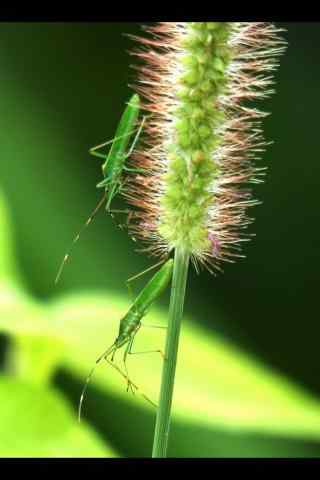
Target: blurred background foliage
column 248, row 377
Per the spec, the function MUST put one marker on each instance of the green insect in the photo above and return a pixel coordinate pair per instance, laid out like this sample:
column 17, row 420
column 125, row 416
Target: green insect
column 131, row 323
column 115, row 166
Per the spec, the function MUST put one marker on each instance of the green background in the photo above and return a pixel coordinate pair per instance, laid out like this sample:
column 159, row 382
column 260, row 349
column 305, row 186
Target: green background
column 62, row 90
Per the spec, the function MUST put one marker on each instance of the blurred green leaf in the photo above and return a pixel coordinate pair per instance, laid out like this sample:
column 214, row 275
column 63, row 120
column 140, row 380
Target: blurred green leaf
column 34, row 358
column 228, row 388
column 54, row 141
column 37, row 422
column 8, row 269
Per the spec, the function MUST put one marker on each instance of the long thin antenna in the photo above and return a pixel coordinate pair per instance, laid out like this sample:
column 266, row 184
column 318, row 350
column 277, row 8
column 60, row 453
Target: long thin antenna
column 76, row 238
column 145, row 271
column 104, row 355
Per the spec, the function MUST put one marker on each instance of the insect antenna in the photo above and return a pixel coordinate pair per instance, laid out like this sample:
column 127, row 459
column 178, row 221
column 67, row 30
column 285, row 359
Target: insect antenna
column 146, row 271
column 105, row 354
column 76, row 238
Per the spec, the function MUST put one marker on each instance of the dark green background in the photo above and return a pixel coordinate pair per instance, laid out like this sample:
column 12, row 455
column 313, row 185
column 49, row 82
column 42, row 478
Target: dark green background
column 62, row 89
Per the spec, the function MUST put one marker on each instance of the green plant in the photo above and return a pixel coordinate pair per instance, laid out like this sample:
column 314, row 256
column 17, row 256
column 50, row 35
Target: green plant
column 226, row 398
column 201, row 140
column 231, row 394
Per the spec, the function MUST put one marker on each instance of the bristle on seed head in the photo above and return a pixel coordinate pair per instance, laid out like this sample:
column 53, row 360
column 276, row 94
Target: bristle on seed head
column 196, row 79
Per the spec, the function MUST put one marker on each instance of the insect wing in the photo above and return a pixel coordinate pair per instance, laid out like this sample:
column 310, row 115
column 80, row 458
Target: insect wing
column 116, row 156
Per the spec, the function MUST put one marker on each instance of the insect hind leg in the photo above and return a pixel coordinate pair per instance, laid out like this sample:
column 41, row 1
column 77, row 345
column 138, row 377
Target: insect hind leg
column 135, row 277
column 149, row 351
column 130, row 352
column 133, row 386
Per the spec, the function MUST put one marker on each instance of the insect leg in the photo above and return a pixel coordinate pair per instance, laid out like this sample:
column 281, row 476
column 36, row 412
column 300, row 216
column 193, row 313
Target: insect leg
column 103, row 184
column 124, row 375
column 96, row 154
column 132, row 384
column 134, row 170
column 148, row 351
column 129, row 214
column 119, row 211
column 93, row 151
column 131, row 279
column 136, row 137
column 128, row 347
column 110, row 195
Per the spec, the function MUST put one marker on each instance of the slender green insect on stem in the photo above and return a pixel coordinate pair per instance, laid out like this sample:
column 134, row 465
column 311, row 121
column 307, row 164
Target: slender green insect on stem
column 115, row 164
column 130, row 324
column 115, row 161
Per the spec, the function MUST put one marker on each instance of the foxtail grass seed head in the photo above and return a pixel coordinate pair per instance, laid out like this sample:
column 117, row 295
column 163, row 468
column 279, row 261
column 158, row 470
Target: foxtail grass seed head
column 196, row 80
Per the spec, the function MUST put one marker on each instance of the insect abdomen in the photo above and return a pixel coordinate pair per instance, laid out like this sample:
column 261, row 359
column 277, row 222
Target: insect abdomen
column 129, row 323
column 118, row 150
column 154, row 288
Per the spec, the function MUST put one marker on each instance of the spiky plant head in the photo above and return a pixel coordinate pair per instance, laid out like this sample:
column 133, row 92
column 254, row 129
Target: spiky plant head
column 202, row 136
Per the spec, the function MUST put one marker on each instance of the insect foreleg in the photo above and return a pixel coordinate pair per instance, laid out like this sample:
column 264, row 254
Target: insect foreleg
column 112, row 356
column 129, row 384
column 129, row 346
column 136, row 137
column 124, row 375
column 114, row 189
column 129, row 214
column 104, row 183
column 132, row 385
column 105, row 355
column 96, row 154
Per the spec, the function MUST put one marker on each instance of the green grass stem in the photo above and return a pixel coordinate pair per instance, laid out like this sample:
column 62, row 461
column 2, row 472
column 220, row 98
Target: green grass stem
column 179, row 281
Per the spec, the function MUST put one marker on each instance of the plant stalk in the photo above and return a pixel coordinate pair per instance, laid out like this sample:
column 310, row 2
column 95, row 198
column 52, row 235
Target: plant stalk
column 179, row 281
